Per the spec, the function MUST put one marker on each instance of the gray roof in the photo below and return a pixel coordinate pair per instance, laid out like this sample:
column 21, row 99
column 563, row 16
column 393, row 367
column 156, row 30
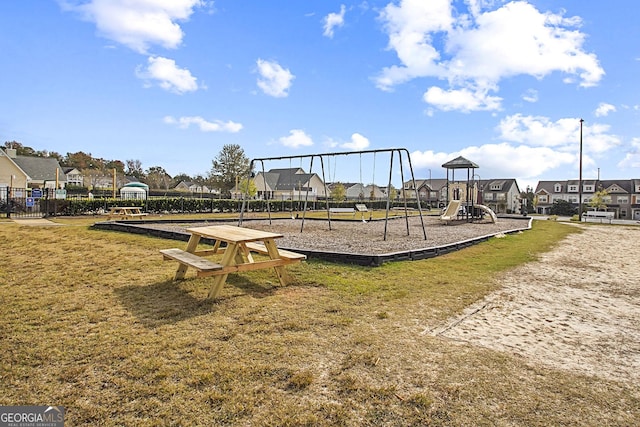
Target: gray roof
column 286, row 179
column 460, row 163
column 626, row 185
column 500, row 185
column 40, row 168
column 434, row 183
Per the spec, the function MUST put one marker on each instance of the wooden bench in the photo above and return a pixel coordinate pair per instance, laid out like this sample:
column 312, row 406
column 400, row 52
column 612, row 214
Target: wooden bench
column 191, row 260
column 362, row 208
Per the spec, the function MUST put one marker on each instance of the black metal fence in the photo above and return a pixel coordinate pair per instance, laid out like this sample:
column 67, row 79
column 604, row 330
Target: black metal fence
column 27, row 203
column 37, row 203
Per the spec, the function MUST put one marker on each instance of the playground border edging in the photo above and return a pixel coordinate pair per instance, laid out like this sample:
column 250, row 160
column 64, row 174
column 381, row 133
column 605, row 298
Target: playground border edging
column 372, row 260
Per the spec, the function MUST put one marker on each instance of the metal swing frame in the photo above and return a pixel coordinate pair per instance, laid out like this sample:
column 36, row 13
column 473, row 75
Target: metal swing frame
column 321, row 156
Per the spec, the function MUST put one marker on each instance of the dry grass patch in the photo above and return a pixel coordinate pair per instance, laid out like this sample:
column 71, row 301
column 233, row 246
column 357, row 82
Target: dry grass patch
column 92, row 321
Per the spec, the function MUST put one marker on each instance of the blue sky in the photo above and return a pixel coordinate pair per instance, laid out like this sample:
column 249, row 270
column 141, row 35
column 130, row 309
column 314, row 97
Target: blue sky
column 169, row 82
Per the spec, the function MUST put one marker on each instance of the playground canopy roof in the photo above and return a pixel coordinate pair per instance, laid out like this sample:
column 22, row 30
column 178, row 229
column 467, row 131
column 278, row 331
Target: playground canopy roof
column 460, row 163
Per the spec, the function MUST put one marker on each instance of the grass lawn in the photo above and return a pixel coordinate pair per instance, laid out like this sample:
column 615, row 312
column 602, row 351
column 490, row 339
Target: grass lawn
column 91, row 321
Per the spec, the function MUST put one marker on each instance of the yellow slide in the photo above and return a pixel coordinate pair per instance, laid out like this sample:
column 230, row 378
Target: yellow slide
column 451, row 213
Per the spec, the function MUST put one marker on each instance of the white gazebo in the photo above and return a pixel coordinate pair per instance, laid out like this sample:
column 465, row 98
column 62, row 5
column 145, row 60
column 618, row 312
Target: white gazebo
column 134, row 190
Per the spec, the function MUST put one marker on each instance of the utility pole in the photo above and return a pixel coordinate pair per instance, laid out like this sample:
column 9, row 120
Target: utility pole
column 580, row 180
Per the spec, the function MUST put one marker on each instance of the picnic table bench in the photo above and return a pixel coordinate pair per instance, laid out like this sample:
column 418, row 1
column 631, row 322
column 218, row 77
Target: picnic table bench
column 358, row 208
column 125, row 212
column 342, row 210
column 236, row 255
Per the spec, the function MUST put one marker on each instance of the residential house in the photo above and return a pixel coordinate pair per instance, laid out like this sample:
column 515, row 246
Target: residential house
column 360, row 192
column 192, row 187
column 11, row 175
column 623, row 195
column 74, row 177
column 500, row 195
column 289, row 184
column 40, row 172
column 431, row 191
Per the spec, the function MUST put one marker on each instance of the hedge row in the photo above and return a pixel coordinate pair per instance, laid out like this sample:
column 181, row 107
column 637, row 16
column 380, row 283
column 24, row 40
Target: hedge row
column 182, row 205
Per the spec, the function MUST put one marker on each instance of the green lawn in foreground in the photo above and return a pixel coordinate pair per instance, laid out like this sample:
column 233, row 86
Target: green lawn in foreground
column 92, row 321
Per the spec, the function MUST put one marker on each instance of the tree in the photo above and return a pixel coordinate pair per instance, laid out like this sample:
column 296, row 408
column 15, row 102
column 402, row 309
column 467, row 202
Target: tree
column 158, row 178
column 22, row 150
column 393, row 193
column 114, row 164
column 338, row 193
column 134, row 168
column 229, row 165
column 81, row 161
column 248, row 187
column 181, row 177
column 598, row 201
column 564, row 208
column 528, row 200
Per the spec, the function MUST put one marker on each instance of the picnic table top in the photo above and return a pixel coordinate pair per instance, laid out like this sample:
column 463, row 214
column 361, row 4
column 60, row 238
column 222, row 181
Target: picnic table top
column 233, row 234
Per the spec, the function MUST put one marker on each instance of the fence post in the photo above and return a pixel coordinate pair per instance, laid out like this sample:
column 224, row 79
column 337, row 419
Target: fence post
column 8, row 190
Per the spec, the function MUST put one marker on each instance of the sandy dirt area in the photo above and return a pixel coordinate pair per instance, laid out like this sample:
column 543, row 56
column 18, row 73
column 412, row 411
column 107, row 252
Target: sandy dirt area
column 577, row 308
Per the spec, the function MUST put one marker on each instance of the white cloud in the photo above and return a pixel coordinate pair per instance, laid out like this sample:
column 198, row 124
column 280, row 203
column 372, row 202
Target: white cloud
column 297, row 138
column 539, row 131
column 531, row 95
column 167, row 75
column 475, row 51
column 632, row 158
column 604, row 109
column 333, row 20
column 204, row 125
column 464, row 99
column 274, row 80
column 137, row 24
column 523, row 161
column 562, row 135
column 533, row 146
column 357, row 143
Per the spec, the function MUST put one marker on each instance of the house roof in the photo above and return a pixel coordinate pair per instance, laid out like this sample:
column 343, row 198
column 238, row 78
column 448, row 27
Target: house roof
column 293, row 181
column 610, row 185
column 40, row 168
column 285, row 179
column 498, row 185
column 434, row 183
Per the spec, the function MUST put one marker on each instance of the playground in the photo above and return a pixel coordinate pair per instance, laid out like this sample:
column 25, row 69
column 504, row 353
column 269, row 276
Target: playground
column 359, row 242
column 356, row 234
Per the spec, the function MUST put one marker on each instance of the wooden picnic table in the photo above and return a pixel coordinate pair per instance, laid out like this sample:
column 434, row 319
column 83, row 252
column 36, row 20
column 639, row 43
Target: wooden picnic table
column 125, row 212
column 236, row 255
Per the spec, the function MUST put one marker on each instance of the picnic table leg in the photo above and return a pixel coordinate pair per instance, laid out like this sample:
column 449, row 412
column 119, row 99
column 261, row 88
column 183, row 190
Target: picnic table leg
column 228, row 259
column 243, row 250
column 191, row 247
column 272, row 249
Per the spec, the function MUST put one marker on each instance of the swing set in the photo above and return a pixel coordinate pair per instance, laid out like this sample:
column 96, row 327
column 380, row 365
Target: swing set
column 329, row 156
